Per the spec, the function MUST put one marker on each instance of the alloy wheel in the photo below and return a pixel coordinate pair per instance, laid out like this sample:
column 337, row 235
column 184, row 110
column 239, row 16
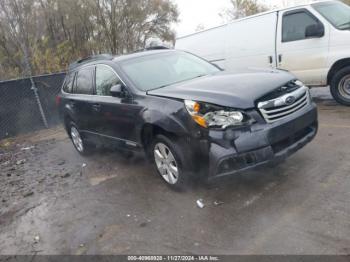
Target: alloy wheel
column 166, row 163
column 76, row 138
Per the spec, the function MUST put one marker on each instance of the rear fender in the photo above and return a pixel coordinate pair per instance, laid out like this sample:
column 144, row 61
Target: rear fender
column 68, row 115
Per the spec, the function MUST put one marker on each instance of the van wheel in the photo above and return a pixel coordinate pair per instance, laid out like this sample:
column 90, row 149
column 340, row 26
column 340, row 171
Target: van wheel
column 78, row 140
column 168, row 159
column 340, row 86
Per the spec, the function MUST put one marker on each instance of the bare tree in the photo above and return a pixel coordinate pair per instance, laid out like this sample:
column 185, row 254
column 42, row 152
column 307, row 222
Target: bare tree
column 17, row 14
column 242, row 8
column 43, row 36
column 126, row 25
column 200, row 27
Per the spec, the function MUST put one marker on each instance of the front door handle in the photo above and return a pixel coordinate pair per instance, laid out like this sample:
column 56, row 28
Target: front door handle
column 96, row 107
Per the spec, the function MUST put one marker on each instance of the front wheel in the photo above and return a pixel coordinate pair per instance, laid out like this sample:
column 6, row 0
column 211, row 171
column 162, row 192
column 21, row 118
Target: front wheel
column 168, row 158
column 340, row 86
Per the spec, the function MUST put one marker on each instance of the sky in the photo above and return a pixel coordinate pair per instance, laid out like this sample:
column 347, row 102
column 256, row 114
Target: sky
column 206, row 13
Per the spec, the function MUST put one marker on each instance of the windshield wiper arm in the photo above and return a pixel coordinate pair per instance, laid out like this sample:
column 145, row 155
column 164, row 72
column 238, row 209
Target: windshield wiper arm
column 177, row 82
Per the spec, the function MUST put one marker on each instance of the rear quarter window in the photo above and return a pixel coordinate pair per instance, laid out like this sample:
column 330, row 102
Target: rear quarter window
column 68, row 83
column 84, row 81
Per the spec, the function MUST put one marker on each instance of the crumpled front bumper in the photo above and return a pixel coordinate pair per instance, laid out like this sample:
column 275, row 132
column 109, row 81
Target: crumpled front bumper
column 234, row 151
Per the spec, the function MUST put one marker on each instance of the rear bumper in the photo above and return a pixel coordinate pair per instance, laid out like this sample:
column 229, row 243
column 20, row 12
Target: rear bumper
column 261, row 144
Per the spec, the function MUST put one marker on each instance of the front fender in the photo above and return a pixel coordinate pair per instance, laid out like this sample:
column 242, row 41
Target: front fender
column 170, row 122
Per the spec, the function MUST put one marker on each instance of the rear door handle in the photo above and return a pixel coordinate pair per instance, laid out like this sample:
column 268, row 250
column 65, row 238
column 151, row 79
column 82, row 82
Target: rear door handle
column 279, row 58
column 96, row 107
column 270, row 59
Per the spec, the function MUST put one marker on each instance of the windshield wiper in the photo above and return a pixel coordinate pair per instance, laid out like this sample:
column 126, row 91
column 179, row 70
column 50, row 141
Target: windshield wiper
column 177, row 82
column 344, row 24
column 198, row 76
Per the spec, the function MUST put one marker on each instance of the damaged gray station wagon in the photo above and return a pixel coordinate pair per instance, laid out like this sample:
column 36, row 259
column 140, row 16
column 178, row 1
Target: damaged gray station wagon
column 186, row 114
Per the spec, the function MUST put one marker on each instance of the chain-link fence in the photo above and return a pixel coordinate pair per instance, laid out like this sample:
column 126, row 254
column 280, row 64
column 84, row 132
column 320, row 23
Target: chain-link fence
column 19, row 105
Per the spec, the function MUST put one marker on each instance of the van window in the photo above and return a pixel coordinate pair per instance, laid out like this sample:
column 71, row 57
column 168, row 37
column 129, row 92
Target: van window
column 105, row 79
column 84, row 83
column 295, row 24
column 335, row 12
column 68, row 83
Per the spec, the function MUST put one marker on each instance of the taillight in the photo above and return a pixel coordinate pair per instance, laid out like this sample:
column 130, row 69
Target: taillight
column 58, row 100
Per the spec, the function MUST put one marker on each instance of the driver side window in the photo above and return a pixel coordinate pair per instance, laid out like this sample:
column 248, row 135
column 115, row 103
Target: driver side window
column 295, row 24
column 105, row 79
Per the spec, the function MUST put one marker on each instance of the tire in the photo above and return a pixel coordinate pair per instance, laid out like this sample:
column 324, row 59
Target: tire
column 340, row 86
column 168, row 156
column 78, row 140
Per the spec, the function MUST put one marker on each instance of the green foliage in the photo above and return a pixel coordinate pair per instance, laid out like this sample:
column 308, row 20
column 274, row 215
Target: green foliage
column 53, row 33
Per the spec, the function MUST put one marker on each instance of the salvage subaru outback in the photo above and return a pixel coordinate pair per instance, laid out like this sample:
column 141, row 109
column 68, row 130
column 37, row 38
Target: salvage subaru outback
column 186, row 114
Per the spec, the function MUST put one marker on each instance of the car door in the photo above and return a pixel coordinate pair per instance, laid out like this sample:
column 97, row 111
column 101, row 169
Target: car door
column 116, row 116
column 303, row 56
column 80, row 101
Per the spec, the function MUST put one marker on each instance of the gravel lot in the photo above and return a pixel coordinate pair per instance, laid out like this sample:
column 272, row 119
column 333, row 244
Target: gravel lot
column 53, row 201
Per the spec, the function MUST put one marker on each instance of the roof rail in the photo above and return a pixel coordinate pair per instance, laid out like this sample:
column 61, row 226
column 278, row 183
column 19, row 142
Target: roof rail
column 90, row 59
column 159, row 47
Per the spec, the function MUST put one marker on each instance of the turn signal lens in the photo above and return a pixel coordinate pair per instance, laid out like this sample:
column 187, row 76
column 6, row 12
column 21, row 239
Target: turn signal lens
column 200, row 121
column 196, row 107
column 193, row 108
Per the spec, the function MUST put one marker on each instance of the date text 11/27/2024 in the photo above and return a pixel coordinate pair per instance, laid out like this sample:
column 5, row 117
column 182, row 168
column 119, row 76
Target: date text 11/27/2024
column 173, row 258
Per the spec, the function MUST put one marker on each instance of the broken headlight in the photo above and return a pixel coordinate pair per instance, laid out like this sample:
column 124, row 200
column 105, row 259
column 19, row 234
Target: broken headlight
column 207, row 115
column 301, row 84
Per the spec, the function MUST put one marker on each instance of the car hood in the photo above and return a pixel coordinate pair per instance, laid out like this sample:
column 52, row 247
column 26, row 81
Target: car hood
column 238, row 90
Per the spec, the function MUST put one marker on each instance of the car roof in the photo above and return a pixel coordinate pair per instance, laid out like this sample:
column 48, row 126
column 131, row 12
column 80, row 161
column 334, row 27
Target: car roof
column 141, row 54
column 92, row 60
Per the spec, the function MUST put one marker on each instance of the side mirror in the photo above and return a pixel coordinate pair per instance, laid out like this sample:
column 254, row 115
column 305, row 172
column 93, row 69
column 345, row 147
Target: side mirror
column 117, row 91
column 314, row 31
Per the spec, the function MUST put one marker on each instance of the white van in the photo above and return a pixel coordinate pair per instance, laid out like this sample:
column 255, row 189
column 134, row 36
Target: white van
column 312, row 41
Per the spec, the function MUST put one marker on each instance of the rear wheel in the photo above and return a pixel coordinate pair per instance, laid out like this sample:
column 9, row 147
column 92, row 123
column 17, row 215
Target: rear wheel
column 78, row 140
column 340, row 86
column 168, row 158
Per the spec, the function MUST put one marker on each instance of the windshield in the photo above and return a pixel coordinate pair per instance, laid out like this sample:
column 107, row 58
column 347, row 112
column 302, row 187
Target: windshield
column 156, row 71
column 336, row 13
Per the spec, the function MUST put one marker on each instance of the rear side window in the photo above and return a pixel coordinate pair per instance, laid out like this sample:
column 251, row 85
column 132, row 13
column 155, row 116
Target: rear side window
column 68, row 84
column 295, row 24
column 84, row 82
column 105, row 79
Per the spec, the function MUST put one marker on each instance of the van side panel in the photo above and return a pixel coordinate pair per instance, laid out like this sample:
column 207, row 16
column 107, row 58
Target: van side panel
column 251, row 43
column 208, row 44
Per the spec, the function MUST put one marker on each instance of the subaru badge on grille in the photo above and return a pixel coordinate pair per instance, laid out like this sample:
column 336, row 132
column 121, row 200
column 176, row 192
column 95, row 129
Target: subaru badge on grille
column 290, row 100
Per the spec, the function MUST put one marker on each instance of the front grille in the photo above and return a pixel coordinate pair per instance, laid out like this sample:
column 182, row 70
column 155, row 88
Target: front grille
column 284, row 106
